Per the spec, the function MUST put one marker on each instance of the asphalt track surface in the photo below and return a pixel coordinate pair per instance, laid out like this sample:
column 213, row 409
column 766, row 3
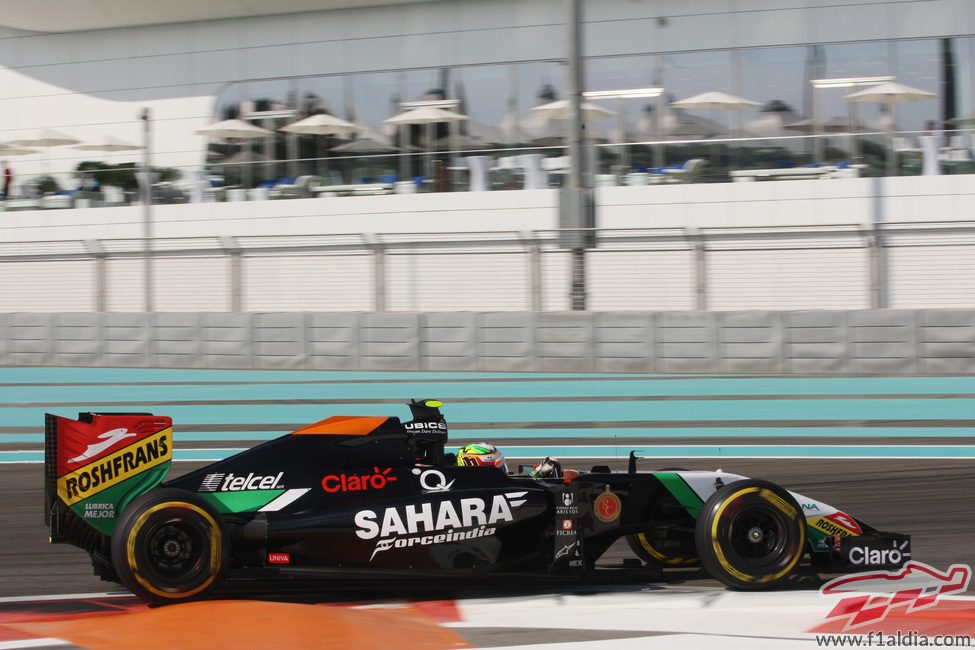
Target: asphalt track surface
column 929, row 498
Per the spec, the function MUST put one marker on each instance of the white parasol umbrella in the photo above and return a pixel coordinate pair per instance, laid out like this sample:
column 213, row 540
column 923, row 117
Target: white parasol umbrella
column 44, row 138
column 963, row 120
column 6, row 150
column 234, row 129
column 559, row 110
column 107, row 143
column 538, row 126
column 715, row 99
column 366, row 145
column 426, row 115
column 320, row 124
column 889, row 93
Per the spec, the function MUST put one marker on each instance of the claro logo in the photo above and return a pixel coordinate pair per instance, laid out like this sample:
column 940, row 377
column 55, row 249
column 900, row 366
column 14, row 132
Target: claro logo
column 869, row 556
column 358, row 482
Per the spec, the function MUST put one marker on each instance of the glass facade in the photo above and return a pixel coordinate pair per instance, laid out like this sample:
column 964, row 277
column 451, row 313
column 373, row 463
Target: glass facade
column 797, row 117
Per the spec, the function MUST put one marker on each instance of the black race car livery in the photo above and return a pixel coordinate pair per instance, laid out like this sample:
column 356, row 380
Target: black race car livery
column 371, row 495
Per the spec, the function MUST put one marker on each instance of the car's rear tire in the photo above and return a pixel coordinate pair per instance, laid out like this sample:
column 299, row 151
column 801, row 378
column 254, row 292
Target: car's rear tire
column 670, row 543
column 751, row 535
column 169, row 546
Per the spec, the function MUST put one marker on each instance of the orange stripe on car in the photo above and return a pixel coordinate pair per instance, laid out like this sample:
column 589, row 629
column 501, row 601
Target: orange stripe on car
column 343, row 425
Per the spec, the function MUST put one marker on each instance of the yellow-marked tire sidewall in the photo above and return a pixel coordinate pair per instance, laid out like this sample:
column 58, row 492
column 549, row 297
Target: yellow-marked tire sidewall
column 141, row 518
column 714, row 534
column 657, row 556
column 214, row 543
column 662, row 509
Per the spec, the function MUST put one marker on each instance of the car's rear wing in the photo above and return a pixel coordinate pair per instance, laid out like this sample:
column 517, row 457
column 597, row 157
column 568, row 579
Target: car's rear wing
column 95, row 465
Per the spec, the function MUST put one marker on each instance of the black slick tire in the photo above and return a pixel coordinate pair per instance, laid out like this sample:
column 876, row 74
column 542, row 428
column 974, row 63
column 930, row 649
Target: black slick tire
column 751, row 535
column 169, row 546
column 666, row 545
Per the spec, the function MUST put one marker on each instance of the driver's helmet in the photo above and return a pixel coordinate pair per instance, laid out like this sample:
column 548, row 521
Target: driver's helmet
column 481, row 454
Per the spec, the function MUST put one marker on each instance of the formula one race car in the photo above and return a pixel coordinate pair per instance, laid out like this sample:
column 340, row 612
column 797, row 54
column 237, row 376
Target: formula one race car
column 364, row 495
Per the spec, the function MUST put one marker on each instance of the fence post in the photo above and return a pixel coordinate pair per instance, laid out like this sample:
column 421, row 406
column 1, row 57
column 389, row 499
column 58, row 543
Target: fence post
column 147, row 281
column 235, row 258
column 698, row 245
column 375, row 243
column 877, row 266
column 98, row 255
column 534, row 250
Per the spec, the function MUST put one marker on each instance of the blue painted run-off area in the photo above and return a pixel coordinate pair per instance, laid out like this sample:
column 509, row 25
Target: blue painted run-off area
column 259, row 405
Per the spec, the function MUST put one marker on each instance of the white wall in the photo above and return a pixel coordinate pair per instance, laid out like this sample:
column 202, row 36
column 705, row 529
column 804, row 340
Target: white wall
column 93, row 82
column 710, row 205
column 824, row 272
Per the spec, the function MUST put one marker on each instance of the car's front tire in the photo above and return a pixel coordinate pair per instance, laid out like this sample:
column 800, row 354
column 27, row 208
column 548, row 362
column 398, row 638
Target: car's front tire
column 751, row 535
column 169, row 546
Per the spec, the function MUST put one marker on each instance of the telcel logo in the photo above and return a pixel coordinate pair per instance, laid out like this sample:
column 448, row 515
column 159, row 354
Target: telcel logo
column 250, row 482
column 358, row 482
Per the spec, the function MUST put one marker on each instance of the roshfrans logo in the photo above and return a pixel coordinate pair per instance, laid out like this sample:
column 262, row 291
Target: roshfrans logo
column 838, row 523
column 868, row 597
column 137, row 457
column 231, row 483
column 108, row 439
column 425, row 524
column 358, row 482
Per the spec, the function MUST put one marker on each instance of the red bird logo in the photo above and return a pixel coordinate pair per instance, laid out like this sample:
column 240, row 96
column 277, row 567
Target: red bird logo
column 869, row 596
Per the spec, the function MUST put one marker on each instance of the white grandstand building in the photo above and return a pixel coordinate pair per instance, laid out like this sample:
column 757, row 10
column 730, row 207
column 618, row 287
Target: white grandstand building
column 699, row 187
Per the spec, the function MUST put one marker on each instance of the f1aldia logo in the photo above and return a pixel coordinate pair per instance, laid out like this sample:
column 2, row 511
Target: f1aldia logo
column 426, row 524
column 868, row 597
